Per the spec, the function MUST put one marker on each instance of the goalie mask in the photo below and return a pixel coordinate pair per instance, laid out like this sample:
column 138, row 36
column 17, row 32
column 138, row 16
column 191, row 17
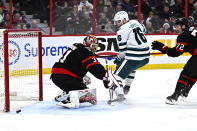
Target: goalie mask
column 91, row 42
column 120, row 18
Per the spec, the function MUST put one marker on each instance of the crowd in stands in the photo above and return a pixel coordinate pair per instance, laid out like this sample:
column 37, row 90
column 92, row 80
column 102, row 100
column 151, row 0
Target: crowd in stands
column 76, row 16
column 20, row 9
column 157, row 15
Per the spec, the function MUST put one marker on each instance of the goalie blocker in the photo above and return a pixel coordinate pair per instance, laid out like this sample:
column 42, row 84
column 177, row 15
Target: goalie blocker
column 74, row 99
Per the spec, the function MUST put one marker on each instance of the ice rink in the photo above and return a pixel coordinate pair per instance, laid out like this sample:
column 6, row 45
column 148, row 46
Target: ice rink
column 145, row 109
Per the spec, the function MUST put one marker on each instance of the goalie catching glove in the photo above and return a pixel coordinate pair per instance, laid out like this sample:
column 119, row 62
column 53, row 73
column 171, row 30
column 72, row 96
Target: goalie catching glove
column 156, row 45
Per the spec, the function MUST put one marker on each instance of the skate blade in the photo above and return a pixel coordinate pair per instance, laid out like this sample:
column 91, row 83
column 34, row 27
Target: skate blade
column 111, row 102
column 183, row 98
column 170, row 102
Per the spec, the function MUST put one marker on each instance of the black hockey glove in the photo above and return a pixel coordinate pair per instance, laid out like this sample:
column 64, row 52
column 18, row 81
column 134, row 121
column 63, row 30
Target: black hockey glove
column 117, row 61
column 159, row 46
column 106, row 82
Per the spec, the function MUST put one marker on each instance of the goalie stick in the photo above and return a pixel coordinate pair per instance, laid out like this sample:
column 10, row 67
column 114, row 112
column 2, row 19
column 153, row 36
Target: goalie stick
column 112, row 86
column 111, row 90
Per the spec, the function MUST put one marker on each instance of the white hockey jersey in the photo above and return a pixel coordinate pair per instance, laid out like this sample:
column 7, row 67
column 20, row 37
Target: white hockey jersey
column 132, row 42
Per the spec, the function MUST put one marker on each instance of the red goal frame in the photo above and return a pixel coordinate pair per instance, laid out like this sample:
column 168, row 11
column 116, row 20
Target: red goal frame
column 6, row 66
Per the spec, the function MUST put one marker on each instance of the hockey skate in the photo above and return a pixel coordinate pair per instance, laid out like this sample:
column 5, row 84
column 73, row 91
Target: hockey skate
column 126, row 89
column 171, row 100
column 62, row 96
column 184, row 94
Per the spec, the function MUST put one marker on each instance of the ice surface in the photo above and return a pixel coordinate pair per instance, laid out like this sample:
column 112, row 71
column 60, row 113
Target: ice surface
column 145, row 109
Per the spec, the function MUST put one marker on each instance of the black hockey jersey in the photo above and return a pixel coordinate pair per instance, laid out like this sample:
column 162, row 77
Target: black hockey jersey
column 186, row 42
column 77, row 61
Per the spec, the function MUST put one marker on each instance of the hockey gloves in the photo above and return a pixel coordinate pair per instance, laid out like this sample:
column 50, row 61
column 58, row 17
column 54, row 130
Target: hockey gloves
column 117, row 61
column 156, row 45
column 106, row 82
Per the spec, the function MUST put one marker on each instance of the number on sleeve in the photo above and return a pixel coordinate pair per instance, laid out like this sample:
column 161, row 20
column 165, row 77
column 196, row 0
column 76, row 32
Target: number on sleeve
column 180, row 47
column 139, row 36
column 119, row 37
column 194, row 32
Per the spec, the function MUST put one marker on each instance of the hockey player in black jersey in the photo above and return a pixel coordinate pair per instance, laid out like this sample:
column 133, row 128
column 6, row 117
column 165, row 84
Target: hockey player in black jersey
column 69, row 71
column 186, row 42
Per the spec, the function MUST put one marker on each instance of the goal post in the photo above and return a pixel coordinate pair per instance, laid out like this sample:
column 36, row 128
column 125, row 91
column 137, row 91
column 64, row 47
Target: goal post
column 19, row 64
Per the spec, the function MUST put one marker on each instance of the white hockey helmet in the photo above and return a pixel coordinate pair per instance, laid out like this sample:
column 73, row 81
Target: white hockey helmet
column 120, row 17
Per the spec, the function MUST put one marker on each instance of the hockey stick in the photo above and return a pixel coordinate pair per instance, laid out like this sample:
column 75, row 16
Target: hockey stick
column 104, row 55
column 111, row 90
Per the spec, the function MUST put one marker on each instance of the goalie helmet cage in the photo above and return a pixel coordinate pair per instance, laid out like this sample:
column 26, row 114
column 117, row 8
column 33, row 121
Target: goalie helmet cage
column 20, row 34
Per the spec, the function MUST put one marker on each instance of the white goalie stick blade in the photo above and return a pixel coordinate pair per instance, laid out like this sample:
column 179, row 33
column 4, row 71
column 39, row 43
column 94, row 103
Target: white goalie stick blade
column 112, row 77
column 113, row 87
column 111, row 102
column 111, row 93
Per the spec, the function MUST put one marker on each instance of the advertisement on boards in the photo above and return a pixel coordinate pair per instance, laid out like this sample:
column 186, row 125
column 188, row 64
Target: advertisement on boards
column 23, row 51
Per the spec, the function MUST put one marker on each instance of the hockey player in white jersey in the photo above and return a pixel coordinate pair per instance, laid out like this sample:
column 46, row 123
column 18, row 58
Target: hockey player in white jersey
column 134, row 51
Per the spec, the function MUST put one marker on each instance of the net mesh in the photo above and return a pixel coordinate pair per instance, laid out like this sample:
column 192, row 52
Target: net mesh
column 23, row 68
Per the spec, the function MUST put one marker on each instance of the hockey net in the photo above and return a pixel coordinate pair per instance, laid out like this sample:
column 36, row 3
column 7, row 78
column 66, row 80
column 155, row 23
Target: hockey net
column 20, row 68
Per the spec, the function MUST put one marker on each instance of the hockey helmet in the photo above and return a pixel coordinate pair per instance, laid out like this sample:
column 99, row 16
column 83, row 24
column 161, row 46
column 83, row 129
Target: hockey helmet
column 91, row 42
column 120, row 17
column 182, row 21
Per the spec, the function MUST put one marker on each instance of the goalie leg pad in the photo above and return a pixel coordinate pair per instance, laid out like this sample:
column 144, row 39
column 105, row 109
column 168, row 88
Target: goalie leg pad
column 88, row 95
column 73, row 101
column 79, row 96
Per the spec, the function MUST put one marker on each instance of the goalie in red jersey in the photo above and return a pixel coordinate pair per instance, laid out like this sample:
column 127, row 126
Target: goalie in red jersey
column 186, row 42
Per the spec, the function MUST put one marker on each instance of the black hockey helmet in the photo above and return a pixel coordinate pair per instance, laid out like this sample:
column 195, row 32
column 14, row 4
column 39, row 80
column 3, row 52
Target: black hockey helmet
column 91, row 42
column 182, row 21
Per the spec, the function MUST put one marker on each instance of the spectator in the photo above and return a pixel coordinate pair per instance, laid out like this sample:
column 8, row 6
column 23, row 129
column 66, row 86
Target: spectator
column 118, row 7
column 102, row 19
column 17, row 26
column 165, row 13
column 86, row 22
column 17, row 9
column 128, row 6
column 1, row 15
column 178, row 8
column 108, row 12
column 73, row 21
column 5, row 24
column 149, row 28
column 194, row 13
column 190, row 6
column 108, row 3
column 99, row 6
column 18, row 19
column 158, row 22
column 85, row 4
column 145, row 7
column 166, row 29
column 34, row 24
